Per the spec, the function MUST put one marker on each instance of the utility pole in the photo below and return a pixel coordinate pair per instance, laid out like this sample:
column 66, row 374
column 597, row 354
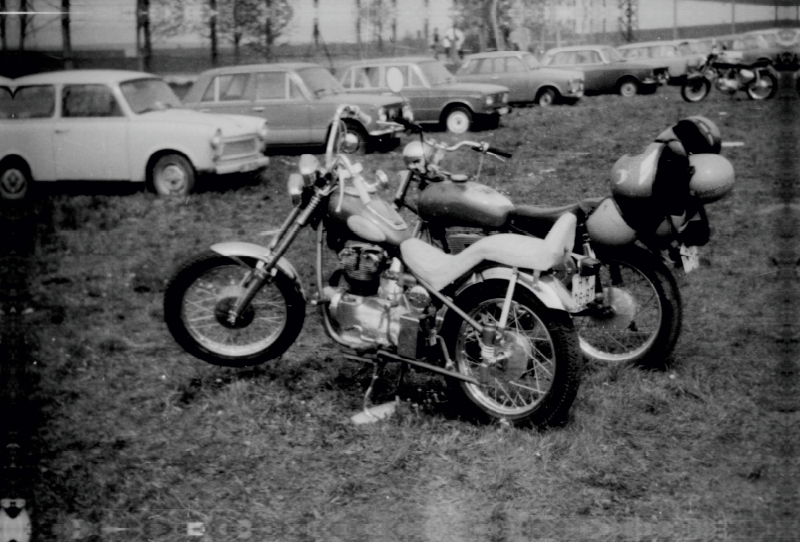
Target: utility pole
column 674, row 19
column 629, row 19
column 733, row 16
column 66, row 38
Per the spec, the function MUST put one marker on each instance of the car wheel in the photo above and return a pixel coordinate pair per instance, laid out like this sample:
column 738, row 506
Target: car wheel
column 361, row 136
column 628, row 88
column 172, row 175
column 546, row 97
column 458, row 120
column 15, row 180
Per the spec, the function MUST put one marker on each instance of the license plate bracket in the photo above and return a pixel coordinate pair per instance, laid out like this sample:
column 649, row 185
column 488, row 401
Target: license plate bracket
column 690, row 256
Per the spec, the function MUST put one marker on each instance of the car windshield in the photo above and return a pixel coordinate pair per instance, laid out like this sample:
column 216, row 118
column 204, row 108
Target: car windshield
column 436, row 73
column 320, row 81
column 144, row 95
column 611, row 54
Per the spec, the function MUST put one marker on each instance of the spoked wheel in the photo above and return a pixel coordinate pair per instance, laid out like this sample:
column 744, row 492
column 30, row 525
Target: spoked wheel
column 533, row 376
column 695, row 89
column 197, row 308
column 764, row 88
column 643, row 319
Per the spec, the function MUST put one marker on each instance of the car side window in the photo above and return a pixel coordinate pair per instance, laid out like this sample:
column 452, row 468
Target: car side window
column 295, row 92
column 415, row 82
column 88, row 101
column 33, row 102
column 468, row 67
column 486, row 66
column 233, row 87
column 514, row 65
column 404, row 70
column 271, row 86
column 564, row 58
column 362, row 77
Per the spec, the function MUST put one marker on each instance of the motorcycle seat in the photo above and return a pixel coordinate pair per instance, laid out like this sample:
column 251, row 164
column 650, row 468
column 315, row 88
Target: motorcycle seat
column 537, row 220
column 440, row 269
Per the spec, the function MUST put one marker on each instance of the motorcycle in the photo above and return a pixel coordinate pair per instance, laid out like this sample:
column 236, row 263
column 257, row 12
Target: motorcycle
column 756, row 79
column 491, row 319
column 636, row 312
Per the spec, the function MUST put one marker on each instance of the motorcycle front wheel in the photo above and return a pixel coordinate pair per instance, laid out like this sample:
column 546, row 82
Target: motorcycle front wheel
column 535, row 373
column 198, row 300
column 695, row 89
column 643, row 320
column 763, row 90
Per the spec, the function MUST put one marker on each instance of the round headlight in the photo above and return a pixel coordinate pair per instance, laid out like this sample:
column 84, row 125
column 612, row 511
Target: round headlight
column 489, row 100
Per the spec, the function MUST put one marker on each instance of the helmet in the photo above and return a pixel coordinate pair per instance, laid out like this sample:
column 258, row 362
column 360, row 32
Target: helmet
column 417, row 156
column 607, row 226
column 697, row 135
column 633, row 176
column 713, row 177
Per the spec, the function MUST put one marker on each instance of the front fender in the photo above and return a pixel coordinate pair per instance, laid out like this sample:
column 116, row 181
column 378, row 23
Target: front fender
column 238, row 249
column 548, row 289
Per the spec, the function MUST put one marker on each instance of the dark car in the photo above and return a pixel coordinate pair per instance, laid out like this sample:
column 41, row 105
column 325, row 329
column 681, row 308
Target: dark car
column 604, row 69
column 780, row 46
column 526, row 79
column 297, row 99
column 433, row 92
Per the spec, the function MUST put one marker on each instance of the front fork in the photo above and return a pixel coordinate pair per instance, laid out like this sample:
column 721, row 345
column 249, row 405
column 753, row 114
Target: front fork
column 265, row 269
column 492, row 331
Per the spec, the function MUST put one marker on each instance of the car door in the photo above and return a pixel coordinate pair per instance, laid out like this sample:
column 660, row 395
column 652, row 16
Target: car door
column 26, row 127
column 600, row 77
column 280, row 99
column 512, row 73
column 426, row 102
column 91, row 135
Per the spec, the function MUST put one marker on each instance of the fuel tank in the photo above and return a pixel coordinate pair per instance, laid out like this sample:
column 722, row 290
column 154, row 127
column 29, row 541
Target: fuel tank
column 375, row 221
column 464, row 204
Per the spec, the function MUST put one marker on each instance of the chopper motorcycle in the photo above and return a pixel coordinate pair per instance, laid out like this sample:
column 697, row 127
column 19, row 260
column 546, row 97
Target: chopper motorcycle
column 756, row 79
column 654, row 213
column 491, row 319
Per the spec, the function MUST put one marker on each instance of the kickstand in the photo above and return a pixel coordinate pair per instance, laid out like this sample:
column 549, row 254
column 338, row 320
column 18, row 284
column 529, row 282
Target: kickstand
column 373, row 414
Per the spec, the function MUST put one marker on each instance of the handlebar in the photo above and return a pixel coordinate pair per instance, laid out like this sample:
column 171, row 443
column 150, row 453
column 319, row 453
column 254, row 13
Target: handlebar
column 474, row 145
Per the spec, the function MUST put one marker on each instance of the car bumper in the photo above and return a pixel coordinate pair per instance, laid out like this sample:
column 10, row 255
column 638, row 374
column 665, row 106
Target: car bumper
column 242, row 165
column 383, row 131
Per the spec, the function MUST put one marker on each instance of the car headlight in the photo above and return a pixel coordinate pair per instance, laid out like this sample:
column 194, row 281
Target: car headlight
column 262, row 136
column 216, row 143
column 490, row 100
column 408, row 114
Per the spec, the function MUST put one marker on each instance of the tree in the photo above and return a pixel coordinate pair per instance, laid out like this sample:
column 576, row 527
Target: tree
column 3, row 39
column 66, row 37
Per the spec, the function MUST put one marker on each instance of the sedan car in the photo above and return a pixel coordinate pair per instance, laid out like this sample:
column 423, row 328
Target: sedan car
column 520, row 71
column 433, row 92
column 297, row 99
column 117, row 125
column 781, row 46
column 661, row 54
column 604, row 69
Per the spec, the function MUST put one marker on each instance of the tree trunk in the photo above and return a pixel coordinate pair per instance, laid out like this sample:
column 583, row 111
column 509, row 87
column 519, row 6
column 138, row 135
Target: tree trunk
column 237, row 33
column 143, row 27
column 66, row 38
column 268, row 31
column 498, row 36
column 212, row 27
column 23, row 23
column 3, row 40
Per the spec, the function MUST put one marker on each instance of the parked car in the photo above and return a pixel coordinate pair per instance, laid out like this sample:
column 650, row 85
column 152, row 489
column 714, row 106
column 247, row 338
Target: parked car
column 747, row 48
column 117, row 125
column 298, row 100
column 433, row 92
column 526, row 79
column 660, row 54
column 604, row 69
column 780, row 45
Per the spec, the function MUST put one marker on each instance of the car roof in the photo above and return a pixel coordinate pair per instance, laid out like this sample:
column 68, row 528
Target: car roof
column 577, row 48
column 388, row 60
column 81, row 77
column 274, row 66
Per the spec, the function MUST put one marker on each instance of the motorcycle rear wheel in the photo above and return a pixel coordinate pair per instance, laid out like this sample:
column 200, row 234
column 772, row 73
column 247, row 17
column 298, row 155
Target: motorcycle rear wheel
column 199, row 296
column 647, row 311
column 538, row 381
column 766, row 91
column 695, row 89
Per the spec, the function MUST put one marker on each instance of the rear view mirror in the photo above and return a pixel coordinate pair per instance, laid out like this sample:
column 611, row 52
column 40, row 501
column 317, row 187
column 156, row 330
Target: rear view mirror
column 394, row 79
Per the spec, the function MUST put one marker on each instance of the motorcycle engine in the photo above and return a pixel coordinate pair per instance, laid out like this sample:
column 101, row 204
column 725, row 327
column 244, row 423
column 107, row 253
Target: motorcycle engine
column 377, row 305
column 727, row 84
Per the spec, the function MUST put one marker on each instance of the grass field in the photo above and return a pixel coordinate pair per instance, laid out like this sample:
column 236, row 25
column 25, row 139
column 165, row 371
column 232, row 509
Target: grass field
column 130, row 432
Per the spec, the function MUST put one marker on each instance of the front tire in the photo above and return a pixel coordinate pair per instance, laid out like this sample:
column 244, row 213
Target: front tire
column 361, row 135
column 767, row 89
column 695, row 89
column 546, row 97
column 646, row 319
column 536, row 378
column 172, row 175
column 458, row 120
column 197, row 300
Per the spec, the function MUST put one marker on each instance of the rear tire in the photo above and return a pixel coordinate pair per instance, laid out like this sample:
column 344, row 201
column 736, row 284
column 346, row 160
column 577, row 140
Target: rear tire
column 546, row 97
column 765, row 92
column 647, row 315
column 172, row 175
column 628, row 88
column 15, row 179
column 201, row 291
column 538, row 381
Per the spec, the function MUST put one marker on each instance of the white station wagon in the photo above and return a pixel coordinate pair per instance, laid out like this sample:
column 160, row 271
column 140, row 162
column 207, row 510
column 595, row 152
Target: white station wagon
column 116, row 125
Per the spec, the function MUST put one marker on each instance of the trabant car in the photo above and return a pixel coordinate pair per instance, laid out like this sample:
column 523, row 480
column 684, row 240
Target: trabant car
column 433, row 92
column 604, row 69
column 527, row 81
column 119, row 126
column 299, row 100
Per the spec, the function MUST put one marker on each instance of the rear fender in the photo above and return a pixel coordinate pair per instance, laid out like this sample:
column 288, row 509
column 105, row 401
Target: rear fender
column 548, row 289
column 238, row 249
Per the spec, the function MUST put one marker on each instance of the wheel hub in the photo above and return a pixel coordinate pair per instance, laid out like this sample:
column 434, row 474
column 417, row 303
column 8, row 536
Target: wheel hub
column 222, row 313
column 173, row 178
column 514, row 354
column 623, row 309
column 12, row 182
